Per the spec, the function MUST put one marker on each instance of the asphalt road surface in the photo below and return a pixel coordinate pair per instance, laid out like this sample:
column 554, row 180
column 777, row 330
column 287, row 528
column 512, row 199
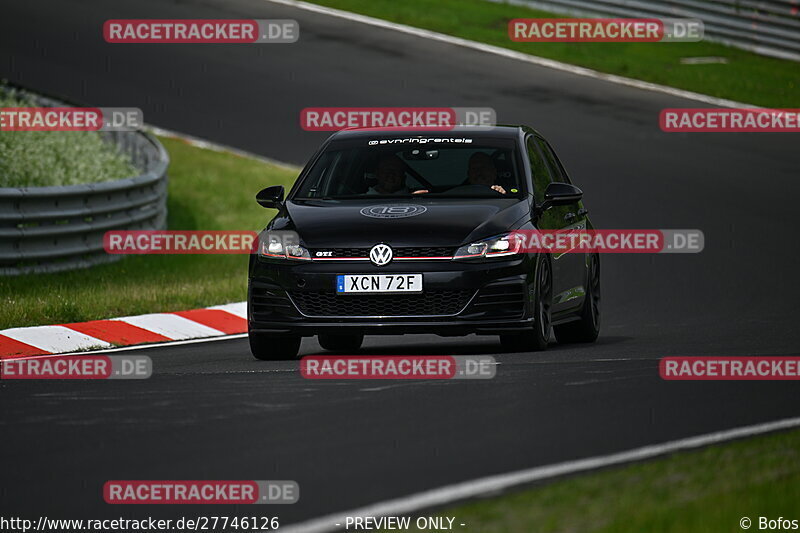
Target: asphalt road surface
column 212, row 412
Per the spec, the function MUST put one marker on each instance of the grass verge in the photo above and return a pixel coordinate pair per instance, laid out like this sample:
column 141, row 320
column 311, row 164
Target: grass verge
column 696, row 492
column 208, row 190
column 747, row 77
column 49, row 158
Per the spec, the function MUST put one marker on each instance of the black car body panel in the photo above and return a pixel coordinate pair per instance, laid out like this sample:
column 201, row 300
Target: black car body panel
column 443, row 224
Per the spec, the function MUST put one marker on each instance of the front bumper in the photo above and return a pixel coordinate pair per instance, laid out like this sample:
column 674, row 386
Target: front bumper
column 459, row 297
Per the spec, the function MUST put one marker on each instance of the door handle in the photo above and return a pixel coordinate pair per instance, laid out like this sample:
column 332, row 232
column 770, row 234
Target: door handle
column 569, row 217
column 583, row 212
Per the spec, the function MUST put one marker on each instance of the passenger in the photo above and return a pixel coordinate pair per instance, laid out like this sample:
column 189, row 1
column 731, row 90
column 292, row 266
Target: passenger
column 481, row 171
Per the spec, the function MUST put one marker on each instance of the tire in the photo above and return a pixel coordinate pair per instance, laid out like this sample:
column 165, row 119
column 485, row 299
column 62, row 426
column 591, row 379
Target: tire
column 536, row 339
column 588, row 327
column 341, row 343
column 269, row 348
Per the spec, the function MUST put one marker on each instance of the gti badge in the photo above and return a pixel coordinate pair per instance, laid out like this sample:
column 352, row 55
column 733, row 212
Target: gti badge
column 380, row 254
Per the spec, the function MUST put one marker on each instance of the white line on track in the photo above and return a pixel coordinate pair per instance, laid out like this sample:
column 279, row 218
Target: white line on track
column 492, row 484
column 511, row 54
column 387, row 387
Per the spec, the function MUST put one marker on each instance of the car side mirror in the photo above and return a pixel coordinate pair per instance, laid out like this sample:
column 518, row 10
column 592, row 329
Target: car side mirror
column 271, row 197
column 558, row 193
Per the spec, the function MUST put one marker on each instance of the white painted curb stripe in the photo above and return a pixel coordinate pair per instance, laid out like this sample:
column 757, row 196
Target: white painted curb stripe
column 54, row 339
column 65, row 341
column 469, row 489
column 140, row 346
column 239, row 309
column 511, row 54
column 171, row 326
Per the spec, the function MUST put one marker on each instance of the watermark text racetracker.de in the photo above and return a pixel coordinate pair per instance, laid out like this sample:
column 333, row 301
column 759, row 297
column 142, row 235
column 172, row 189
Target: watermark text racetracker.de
column 398, row 367
column 180, row 242
column 196, row 31
column 71, row 119
column 201, row 492
column 743, row 120
column 732, row 368
column 394, row 118
column 78, row 367
column 605, row 30
column 608, row 241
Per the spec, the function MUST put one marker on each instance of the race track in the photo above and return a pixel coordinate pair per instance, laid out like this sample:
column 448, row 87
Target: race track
column 212, row 412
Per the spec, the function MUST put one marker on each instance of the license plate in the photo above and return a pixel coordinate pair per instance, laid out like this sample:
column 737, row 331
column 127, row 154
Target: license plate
column 374, row 283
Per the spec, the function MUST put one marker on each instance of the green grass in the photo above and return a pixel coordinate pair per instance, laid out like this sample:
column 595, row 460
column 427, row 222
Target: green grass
column 703, row 491
column 207, row 191
column 45, row 158
column 748, row 77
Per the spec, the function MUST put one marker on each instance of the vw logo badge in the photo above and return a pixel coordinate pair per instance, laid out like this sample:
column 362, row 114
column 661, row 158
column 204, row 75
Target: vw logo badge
column 380, row 254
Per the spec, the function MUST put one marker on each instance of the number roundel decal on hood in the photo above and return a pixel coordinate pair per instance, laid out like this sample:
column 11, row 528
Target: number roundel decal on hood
column 393, row 211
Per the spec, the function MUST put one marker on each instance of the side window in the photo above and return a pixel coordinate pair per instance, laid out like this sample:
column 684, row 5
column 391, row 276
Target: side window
column 559, row 173
column 334, row 174
column 553, row 218
column 541, row 174
column 561, row 168
column 552, row 161
column 314, row 184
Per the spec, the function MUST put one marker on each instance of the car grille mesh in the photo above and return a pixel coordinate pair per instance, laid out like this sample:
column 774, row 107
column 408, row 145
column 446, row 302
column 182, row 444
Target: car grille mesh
column 431, row 303
column 426, row 251
column 429, row 251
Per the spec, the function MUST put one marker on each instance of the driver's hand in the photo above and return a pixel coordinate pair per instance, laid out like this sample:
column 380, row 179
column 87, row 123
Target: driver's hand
column 498, row 188
column 423, row 191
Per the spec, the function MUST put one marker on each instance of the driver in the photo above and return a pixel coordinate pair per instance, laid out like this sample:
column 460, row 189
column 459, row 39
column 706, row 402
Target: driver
column 391, row 176
column 481, row 171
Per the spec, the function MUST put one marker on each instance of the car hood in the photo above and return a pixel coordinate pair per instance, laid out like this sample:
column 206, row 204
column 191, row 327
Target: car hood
column 357, row 223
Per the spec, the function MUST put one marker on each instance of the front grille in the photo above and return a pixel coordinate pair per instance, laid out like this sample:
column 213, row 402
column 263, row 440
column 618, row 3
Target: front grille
column 430, row 251
column 430, row 303
column 343, row 252
column 425, row 251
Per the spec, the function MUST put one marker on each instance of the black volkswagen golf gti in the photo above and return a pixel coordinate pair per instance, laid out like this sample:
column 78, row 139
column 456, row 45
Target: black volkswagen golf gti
column 393, row 232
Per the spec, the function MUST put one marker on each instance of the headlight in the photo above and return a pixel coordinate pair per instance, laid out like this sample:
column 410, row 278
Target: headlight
column 275, row 247
column 500, row 246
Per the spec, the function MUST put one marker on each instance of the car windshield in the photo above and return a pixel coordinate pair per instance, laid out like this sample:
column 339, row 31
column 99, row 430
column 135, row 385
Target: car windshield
column 405, row 167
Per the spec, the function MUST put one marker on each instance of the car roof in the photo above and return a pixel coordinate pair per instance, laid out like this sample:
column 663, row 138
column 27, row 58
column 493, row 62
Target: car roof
column 503, row 131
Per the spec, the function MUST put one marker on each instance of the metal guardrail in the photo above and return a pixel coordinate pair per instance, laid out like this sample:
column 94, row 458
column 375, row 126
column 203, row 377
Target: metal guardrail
column 767, row 27
column 51, row 229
